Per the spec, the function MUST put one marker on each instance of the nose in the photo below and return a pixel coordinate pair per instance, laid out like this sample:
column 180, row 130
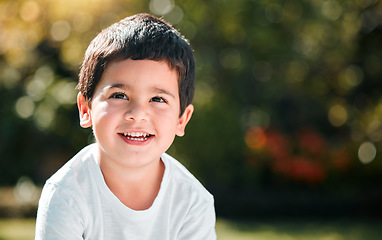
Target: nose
column 136, row 111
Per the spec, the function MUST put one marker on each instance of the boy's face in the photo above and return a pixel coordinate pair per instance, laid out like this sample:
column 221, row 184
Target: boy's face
column 135, row 111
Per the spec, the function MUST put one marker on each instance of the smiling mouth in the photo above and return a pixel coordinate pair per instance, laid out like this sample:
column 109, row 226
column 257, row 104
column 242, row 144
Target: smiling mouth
column 136, row 136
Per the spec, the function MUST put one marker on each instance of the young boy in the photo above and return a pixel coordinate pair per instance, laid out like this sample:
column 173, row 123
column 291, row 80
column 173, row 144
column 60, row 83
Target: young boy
column 136, row 86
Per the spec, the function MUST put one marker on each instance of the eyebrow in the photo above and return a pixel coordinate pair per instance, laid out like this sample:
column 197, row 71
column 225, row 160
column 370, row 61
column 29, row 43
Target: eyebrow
column 118, row 85
column 154, row 89
column 162, row 91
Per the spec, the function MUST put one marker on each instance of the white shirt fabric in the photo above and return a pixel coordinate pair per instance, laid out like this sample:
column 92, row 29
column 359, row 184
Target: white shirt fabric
column 77, row 204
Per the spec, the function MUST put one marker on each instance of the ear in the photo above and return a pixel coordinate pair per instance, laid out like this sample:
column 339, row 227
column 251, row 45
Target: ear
column 84, row 111
column 183, row 120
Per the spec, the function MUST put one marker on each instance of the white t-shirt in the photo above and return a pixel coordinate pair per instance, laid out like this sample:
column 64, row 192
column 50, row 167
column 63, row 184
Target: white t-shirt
column 77, row 204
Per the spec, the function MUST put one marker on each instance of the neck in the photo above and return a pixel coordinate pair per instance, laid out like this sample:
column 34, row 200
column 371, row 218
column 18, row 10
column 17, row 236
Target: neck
column 136, row 187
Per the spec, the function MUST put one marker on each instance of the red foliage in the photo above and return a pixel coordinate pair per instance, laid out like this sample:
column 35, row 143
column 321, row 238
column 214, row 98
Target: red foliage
column 300, row 169
column 310, row 140
column 278, row 145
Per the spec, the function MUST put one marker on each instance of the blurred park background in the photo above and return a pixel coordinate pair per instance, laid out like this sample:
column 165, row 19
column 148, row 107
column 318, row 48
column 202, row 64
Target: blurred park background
column 288, row 120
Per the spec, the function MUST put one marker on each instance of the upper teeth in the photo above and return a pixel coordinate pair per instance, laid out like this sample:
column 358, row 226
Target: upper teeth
column 135, row 134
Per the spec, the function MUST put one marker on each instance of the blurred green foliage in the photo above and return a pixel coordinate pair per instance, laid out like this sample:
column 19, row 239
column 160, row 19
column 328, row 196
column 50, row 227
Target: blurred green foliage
column 288, row 91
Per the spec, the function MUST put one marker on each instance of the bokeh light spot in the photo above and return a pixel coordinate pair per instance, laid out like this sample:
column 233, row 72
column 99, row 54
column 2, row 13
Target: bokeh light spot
column 72, row 51
column 45, row 74
column 25, row 107
column 16, row 56
column 367, row 152
column 64, row 92
column 60, row 30
column 161, row 7
column 203, row 94
column 29, row 11
column 10, row 77
column 331, row 9
column 26, row 191
column 44, row 116
column 255, row 117
column 36, row 89
column 255, row 138
column 175, row 16
column 374, row 130
column 337, row 115
column 350, row 77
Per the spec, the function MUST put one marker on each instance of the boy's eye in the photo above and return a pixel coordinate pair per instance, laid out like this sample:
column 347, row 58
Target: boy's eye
column 158, row 99
column 119, row 96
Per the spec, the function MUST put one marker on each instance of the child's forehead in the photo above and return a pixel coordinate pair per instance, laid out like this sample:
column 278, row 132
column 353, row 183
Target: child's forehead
column 118, row 63
column 142, row 67
column 128, row 74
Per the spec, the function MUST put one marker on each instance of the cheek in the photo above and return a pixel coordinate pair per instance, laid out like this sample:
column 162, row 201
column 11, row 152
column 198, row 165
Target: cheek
column 171, row 109
column 167, row 114
column 167, row 122
column 103, row 112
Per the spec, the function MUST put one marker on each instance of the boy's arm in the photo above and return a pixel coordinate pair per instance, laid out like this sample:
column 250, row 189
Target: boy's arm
column 58, row 216
column 200, row 225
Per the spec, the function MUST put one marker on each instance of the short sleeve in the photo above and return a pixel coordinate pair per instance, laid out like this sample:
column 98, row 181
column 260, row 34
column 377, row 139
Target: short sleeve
column 58, row 216
column 200, row 224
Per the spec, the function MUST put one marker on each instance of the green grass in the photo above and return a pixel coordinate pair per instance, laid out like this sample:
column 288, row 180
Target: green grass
column 20, row 229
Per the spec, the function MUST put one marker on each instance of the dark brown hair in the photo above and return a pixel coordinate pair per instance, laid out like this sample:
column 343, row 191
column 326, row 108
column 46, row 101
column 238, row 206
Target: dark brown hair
column 139, row 37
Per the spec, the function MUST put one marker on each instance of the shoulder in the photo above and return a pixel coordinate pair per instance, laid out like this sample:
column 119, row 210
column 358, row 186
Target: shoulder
column 75, row 168
column 63, row 198
column 185, row 182
column 71, row 179
column 69, row 200
column 197, row 217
